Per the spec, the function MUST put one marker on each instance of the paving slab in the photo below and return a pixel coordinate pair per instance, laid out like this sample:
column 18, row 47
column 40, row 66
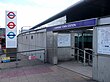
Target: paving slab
column 41, row 73
column 77, row 67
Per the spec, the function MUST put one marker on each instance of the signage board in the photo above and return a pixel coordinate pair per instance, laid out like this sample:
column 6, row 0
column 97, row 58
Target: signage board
column 103, row 39
column 77, row 24
column 32, row 57
column 11, row 29
column 64, row 40
column 5, row 59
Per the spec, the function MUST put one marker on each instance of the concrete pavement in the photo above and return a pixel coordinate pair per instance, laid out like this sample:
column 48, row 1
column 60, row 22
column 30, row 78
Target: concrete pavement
column 77, row 67
column 41, row 73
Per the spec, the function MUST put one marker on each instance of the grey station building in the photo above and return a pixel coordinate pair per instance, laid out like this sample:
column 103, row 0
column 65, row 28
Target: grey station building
column 80, row 33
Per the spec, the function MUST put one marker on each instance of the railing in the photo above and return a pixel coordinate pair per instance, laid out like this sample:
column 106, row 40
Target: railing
column 39, row 53
column 89, row 55
column 24, row 58
column 85, row 53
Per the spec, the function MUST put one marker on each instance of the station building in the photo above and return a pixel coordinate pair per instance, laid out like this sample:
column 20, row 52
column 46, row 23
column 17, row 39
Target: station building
column 81, row 33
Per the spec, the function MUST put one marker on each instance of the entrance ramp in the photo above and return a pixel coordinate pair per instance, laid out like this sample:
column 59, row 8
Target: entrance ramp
column 77, row 67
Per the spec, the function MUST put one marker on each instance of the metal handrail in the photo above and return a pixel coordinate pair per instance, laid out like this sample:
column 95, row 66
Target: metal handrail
column 88, row 49
column 85, row 52
column 20, row 52
column 24, row 51
column 82, row 50
column 89, row 54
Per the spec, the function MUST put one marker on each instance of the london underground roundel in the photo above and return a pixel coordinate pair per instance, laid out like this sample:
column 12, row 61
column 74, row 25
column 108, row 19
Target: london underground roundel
column 11, row 15
column 11, row 35
column 11, row 25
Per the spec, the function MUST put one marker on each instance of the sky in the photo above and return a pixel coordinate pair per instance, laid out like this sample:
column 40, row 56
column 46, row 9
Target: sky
column 32, row 12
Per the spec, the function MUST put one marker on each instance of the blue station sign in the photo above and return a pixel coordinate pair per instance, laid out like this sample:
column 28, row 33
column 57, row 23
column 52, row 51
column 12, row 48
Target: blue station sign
column 72, row 25
column 11, row 35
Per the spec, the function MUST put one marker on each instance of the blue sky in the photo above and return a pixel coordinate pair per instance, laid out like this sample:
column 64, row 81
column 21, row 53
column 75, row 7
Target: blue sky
column 32, row 12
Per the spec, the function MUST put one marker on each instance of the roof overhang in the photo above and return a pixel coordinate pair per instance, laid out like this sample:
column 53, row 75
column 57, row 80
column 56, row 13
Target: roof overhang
column 85, row 9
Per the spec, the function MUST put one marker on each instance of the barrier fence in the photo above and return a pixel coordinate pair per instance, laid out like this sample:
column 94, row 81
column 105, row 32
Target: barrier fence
column 23, row 58
column 84, row 55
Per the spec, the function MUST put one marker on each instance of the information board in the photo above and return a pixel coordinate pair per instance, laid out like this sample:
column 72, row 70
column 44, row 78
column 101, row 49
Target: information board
column 63, row 40
column 103, row 39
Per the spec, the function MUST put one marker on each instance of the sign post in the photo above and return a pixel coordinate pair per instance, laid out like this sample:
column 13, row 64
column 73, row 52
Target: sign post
column 11, row 32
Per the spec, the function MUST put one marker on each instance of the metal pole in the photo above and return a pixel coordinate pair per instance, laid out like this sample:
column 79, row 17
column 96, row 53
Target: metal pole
column 78, row 49
column 84, row 57
column 82, row 41
column 89, row 59
column 16, row 60
column 77, row 55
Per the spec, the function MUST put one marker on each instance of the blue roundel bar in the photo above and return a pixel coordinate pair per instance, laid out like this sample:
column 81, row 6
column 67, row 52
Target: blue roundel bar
column 11, row 35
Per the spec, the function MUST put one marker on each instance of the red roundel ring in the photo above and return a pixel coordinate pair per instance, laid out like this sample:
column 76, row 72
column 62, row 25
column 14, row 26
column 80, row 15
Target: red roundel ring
column 11, row 25
column 11, row 15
